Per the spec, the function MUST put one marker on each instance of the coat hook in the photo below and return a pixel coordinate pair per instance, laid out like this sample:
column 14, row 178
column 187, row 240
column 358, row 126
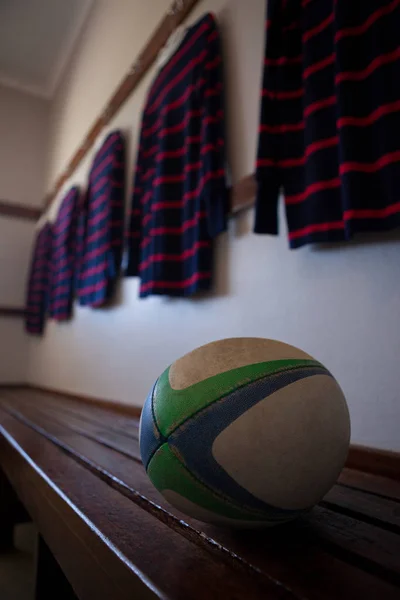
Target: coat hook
column 106, row 113
column 136, row 66
column 176, row 7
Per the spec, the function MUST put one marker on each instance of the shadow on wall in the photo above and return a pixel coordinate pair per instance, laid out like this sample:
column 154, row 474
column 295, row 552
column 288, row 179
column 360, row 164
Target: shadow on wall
column 362, row 239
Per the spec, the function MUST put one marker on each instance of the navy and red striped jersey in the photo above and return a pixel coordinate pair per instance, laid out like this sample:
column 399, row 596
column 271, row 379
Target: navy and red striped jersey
column 38, row 288
column 330, row 122
column 101, row 224
column 63, row 257
column 179, row 198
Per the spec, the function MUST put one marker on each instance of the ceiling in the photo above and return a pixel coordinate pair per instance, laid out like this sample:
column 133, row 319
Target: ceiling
column 37, row 38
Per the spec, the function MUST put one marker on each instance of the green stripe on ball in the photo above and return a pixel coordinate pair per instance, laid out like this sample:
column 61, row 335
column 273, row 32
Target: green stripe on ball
column 168, row 473
column 173, row 407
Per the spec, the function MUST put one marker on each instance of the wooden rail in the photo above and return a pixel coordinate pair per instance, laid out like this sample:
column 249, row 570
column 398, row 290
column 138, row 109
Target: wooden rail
column 243, row 192
column 19, row 211
column 12, row 311
column 177, row 13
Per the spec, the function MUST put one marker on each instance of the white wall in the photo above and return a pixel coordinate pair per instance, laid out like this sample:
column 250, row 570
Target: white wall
column 340, row 304
column 23, row 138
column 23, row 145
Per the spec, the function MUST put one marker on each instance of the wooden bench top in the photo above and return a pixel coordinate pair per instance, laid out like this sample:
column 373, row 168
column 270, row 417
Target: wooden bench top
column 77, row 470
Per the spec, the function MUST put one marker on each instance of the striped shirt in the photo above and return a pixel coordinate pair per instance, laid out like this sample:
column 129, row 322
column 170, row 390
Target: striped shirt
column 63, row 257
column 179, row 198
column 38, row 288
column 330, row 119
column 101, row 224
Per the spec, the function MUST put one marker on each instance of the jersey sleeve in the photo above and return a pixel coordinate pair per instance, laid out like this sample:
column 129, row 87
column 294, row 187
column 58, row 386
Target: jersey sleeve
column 39, row 282
column 79, row 243
column 213, row 175
column 281, row 110
column 134, row 232
column 116, row 218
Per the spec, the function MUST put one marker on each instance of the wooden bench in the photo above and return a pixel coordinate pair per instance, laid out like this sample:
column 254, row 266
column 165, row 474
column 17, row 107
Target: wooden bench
column 76, row 469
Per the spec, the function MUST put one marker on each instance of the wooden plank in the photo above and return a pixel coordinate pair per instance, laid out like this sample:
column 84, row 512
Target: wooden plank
column 74, row 540
column 91, row 412
column 12, row 311
column 110, row 405
column 382, row 512
column 101, row 413
column 19, row 211
column 374, row 484
column 370, row 547
column 370, row 550
column 372, row 509
column 129, row 545
column 111, row 439
column 373, row 460
column 291, row 554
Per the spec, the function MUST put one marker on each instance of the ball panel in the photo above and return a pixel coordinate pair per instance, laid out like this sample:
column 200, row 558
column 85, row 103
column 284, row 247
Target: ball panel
column 149, row 436
column 288, row 449
column 225, row 355
column 208, row 424
column 167, row 472
column 173, row 407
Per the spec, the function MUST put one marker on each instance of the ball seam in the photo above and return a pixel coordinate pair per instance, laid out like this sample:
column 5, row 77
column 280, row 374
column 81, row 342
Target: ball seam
column 284, row 370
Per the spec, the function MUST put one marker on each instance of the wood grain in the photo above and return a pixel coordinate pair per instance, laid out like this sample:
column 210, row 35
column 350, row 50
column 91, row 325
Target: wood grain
column 362, row 459
column 379, row 552
column 19, row 211
column 374, row 484
column 379, row 511
column 358, row 557
column 144, row 550
column 373, row 460
column 116, row 407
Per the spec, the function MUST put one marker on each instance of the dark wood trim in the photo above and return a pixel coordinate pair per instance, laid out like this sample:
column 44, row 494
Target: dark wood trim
column 19, row 211
column 11, row 311
column 119, row 407
column 177, row 13
column 373, row 460
column 13, row 386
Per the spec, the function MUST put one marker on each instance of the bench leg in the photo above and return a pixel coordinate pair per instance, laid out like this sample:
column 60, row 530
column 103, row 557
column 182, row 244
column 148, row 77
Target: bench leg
column 6, row 537
column 50, row 580
column 11, row 513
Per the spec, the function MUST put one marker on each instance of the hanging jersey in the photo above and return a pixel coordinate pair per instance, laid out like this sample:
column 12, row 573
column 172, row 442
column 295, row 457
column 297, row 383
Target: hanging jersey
column 101, row 224
column 330, row 119
column 179, row 198
column 39, row 282
column 63, row 257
